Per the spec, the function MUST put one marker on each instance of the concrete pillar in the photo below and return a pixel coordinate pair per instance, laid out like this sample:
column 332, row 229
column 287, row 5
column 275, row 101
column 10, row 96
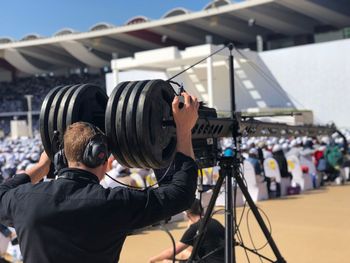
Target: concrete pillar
column 210, row 81
column 29, row 115
column 259, row 43
column 114, row 68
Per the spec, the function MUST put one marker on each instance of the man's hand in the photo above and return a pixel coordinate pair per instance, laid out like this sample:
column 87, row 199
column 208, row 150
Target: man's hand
column 185, row 119
column 40, row 169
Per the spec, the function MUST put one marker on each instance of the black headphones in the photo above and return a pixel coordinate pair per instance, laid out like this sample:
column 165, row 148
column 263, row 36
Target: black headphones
column 95, row 153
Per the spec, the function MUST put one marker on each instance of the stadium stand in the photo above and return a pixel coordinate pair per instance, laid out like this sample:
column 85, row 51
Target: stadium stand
column 12, row 94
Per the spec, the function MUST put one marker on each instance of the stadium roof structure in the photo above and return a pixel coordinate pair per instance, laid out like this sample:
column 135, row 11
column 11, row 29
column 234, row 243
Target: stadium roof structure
column 223, row 20
column 255, row 88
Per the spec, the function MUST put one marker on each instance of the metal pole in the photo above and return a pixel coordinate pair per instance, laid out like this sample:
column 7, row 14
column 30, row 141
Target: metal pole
column 229, row 226
column 232, row 82
column 29, row 115
column 209, row 40
column 210, row 81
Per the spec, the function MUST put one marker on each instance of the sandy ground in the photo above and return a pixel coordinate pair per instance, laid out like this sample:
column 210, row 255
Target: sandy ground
column 310, row 228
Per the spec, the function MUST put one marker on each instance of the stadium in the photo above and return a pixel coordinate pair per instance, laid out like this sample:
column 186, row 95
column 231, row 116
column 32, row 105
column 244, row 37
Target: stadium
column 291, row 64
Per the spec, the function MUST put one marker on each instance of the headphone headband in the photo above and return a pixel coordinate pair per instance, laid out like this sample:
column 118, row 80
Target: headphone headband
column 95, row 152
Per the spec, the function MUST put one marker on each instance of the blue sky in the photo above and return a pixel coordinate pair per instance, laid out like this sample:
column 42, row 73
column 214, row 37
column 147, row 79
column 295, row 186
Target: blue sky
column 45, row 17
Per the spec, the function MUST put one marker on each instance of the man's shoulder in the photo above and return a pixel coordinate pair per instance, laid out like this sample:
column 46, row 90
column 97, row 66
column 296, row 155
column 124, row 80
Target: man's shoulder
column 214, row 222
column 211, row 223
column 57, row 186
column 34, row 188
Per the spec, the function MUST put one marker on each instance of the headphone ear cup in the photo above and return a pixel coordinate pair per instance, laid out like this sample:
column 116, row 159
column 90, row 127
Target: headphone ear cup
column 60, row 160
column 95, row 153
column 64, row 159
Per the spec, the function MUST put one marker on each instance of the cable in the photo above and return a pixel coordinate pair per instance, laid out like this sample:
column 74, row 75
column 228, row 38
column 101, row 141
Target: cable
column 195, row 64
column 141, row 188
column 249, row 232
column 176, row 83
column 241, row 173
column 241, row 217
column 240, row 238
column 200, row 187
column 268, row 78
column 172, row 240
column 235, row 205
column 211, row 253
column 262, row 73
column 238, row 232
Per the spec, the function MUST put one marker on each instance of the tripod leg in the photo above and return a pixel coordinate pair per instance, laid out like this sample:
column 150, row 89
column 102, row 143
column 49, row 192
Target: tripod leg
column 205, row 220
column 260, row 220
column 229, row 226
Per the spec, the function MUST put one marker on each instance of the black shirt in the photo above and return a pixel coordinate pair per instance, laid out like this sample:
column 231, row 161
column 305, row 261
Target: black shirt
column 74, row 219
column 214, row 240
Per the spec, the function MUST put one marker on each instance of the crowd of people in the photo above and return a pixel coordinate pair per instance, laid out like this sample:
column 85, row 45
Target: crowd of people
column 12, row 94
column 328, row 156
column 328, row 153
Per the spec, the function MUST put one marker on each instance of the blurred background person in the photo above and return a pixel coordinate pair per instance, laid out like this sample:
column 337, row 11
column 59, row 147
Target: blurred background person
column 212, row 249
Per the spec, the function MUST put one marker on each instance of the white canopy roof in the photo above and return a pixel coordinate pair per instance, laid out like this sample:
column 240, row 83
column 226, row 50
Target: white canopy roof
column 223, row 20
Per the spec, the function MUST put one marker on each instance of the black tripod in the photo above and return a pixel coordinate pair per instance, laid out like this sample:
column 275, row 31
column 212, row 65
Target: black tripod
column 229, row 170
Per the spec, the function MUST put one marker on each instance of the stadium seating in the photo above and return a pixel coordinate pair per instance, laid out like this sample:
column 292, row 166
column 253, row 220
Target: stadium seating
column 12, row 93
column 302, row 179
column 272, row 171
column 257, row 188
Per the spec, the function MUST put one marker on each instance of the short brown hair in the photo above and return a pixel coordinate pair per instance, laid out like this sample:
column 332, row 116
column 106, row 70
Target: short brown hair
column 76, row 138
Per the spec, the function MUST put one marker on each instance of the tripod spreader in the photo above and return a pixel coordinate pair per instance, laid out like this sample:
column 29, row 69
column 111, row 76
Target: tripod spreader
column 259, row 218
column 226, row 167
column 229, row 170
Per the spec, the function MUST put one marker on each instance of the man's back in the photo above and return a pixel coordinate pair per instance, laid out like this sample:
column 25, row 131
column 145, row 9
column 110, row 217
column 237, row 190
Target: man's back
column 75, row 219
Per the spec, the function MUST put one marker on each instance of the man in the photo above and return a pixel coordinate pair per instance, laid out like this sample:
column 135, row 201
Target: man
column 334, row 158
column 74, row 219
column 213, row 247
column 278, row 155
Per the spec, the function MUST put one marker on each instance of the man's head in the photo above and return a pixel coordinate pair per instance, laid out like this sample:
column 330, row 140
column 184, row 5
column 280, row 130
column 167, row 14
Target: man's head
column 195, row 211
column 85, row 146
